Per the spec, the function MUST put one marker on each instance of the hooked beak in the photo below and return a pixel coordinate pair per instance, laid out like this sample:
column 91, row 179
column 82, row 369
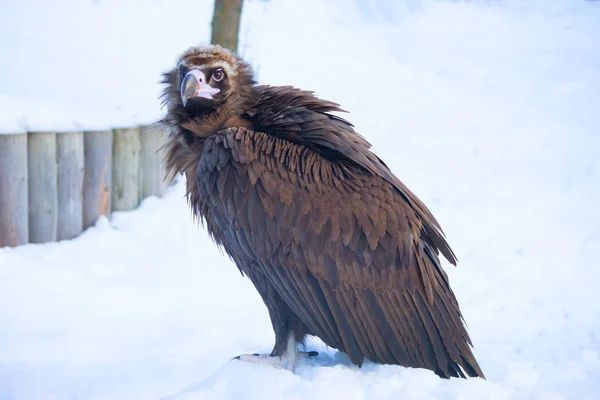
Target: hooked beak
column 194, row 85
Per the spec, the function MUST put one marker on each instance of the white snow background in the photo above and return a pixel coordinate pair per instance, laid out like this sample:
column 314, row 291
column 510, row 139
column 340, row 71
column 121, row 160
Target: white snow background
column 488, row 110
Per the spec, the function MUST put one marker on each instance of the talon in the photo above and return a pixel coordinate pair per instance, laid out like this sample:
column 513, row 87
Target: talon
column 257, row 358
column 286, row 360
column 308, row 354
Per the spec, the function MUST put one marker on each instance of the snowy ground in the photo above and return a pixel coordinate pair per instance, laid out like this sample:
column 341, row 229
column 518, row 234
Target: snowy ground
column 487, row 110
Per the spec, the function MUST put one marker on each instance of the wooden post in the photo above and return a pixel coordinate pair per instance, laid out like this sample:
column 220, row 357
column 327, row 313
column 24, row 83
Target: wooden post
column 97, row 182
column 152, row 173
column 14, row 218
column 69, row 157
column 226, row 23
column 42, row 182
column 126, row 169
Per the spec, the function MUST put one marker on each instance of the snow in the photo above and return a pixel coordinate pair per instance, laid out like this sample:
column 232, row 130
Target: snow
column 98, row 58
column 487, row 110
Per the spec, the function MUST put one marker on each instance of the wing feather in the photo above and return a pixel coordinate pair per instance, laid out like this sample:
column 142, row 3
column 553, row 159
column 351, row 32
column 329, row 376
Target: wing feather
column 361, row 272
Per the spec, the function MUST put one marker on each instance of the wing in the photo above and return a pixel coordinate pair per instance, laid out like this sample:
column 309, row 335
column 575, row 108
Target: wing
column 298, row 116
column 343, row 247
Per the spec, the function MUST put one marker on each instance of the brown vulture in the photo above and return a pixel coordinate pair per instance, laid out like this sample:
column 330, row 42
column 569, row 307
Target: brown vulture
column 335, row 244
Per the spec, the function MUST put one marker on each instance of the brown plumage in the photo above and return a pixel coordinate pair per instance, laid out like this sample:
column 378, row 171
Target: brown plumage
column 334, row 243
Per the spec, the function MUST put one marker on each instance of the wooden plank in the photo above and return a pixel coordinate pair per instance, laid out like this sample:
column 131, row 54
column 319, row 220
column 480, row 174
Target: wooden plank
column 14, row 218
column 42, row 183
column 97, row 182
column 152, row 174
column 126, row 169
column 70, row 160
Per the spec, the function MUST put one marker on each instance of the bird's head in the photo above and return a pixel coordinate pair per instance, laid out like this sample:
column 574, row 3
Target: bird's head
column 208, row 86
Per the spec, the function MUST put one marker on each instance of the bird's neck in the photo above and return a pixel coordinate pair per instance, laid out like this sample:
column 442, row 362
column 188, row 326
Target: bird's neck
column 229, row 115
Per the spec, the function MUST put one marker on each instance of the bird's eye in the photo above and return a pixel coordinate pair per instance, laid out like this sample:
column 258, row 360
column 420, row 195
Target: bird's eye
column 218, row 75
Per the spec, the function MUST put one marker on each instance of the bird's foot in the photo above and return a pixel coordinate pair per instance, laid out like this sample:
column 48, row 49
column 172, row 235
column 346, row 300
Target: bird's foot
column 285, row 361
column 274, row 361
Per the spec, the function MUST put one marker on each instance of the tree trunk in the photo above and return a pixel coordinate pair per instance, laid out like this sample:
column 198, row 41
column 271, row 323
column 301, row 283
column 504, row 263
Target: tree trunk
column 226, row 23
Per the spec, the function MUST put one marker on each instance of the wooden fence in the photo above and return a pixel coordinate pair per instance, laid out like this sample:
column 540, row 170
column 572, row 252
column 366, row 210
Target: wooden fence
column 55, row 185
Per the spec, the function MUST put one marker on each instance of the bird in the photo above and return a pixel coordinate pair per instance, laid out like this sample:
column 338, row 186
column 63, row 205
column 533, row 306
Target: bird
column 335, row 244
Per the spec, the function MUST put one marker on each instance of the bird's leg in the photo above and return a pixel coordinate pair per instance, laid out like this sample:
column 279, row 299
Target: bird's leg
column 287, row 360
